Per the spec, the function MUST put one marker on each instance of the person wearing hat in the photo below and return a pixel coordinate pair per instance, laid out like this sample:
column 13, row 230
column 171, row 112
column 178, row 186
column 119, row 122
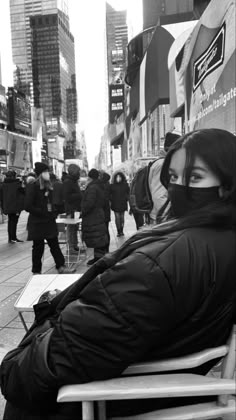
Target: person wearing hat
column 41, row 223
column 72, row 200
column 94, row 230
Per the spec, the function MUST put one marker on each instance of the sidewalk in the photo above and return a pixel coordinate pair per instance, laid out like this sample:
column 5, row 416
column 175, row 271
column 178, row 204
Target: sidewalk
column 15, row 271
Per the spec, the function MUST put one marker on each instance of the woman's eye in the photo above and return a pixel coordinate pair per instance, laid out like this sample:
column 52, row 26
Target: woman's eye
column 195, row 177
column 173, row 178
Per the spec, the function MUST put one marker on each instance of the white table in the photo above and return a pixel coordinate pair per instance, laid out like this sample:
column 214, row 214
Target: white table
column 37, row 285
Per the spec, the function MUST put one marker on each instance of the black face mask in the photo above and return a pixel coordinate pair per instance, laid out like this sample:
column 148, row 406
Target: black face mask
column 186, row 199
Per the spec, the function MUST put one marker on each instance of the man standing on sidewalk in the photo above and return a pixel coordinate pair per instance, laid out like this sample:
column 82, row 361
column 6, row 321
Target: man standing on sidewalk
column 72, row 198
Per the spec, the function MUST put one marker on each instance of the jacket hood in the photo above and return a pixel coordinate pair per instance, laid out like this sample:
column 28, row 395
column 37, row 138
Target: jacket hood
column 123, row 179
column 105, row 177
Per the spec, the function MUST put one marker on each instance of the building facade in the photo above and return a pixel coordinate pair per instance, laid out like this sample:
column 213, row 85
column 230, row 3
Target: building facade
column 20, row 12
column 53, row 73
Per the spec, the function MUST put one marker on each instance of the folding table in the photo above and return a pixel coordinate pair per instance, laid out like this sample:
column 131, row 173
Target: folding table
column 36, row 286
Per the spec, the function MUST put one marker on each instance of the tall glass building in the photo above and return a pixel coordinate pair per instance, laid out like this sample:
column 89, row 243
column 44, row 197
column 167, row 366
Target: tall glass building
column 44, row 56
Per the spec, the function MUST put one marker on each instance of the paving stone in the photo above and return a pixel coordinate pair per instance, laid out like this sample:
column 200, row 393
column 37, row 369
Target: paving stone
column 11, row 336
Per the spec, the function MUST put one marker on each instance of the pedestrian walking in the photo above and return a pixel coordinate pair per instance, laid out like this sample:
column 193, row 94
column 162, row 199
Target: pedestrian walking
column 72, row 200
column 41, row 222
column 119, row 197
column 13, row 203
column 94, row 229
column 105, row 178
column 168, row 291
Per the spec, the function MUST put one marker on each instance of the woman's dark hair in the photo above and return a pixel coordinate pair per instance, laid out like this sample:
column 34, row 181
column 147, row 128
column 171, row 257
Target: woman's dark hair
column 217, row 148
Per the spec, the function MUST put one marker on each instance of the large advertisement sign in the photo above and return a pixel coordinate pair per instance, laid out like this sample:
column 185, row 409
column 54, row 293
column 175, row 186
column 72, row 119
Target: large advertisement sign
column 20, row 152
column 19, row 111
column 210, row 76
column 116, row 101
column 3, row 106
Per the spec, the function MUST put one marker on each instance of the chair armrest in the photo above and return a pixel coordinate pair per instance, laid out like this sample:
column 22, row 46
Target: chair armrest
column 179, row 363
column 153, row 386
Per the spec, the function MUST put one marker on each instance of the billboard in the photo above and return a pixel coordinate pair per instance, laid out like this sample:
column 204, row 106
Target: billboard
column 116, row 101
column 3, row 106
column 20, row 152
column 19, row 111
column 210, row 73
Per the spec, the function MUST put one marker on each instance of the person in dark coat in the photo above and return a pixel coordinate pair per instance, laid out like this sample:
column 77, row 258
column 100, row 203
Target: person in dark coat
column 167, row 292
column 41, row 222
column 72, row 200
column 119, row 197
column 94, row 230
column 105, row 178
column 13, row 203
column 57, row 194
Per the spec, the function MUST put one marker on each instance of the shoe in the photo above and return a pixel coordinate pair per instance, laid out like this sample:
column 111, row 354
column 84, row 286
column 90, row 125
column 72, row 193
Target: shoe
column 12, row 241
column 91, row 262
column 66, row 270
column 118, row 234
column 19, row 240
column 36, row 274
column 122, row 234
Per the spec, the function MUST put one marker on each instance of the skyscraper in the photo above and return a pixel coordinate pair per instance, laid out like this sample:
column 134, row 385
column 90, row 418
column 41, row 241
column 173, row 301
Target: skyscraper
column 117, row 40
column 53, row 73
column 20, row 12
column 44, row 56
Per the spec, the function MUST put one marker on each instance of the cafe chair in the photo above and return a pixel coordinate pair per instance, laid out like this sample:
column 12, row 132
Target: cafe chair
column 166, row 385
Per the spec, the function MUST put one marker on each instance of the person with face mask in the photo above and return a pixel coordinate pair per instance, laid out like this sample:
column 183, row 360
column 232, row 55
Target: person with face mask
column 166, row 292
column 41, row 222
column 119, row 197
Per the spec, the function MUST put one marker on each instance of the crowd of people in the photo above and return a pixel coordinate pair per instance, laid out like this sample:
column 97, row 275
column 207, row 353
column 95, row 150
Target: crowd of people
column 168, row 291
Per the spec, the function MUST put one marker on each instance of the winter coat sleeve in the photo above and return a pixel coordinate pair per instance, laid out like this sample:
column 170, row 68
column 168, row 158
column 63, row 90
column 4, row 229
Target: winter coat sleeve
column 116, row 320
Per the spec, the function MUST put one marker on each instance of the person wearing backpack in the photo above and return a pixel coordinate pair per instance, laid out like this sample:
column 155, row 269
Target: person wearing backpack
column 157, row 190
column 119, row 196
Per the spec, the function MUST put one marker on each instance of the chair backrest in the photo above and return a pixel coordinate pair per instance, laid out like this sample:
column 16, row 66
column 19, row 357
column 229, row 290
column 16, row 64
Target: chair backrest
column 190, row 361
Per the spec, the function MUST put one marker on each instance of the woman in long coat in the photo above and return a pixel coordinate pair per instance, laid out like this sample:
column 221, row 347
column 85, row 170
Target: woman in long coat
column 94, row 230
column 41, row 222
column 119, row 196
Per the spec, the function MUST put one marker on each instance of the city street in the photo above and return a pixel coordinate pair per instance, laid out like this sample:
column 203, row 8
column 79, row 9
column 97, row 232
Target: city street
column 15, row 271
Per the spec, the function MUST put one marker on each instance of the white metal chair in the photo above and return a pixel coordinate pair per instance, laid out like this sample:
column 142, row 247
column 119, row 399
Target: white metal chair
column 164, row 386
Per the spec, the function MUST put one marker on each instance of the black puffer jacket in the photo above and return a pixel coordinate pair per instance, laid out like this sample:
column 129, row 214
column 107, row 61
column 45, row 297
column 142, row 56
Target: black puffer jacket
column 13, row 195
column 154, row 297
column 119, row 194
column 72, row 194
column 41, row 222
column 93, row 219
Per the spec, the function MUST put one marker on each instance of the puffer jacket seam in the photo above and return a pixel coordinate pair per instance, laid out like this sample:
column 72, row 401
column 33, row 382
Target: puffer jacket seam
column 162, row 270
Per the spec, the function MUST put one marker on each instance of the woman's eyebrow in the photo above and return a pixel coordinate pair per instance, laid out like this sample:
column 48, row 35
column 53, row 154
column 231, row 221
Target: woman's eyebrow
column 171, row 170
column 199, row 168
